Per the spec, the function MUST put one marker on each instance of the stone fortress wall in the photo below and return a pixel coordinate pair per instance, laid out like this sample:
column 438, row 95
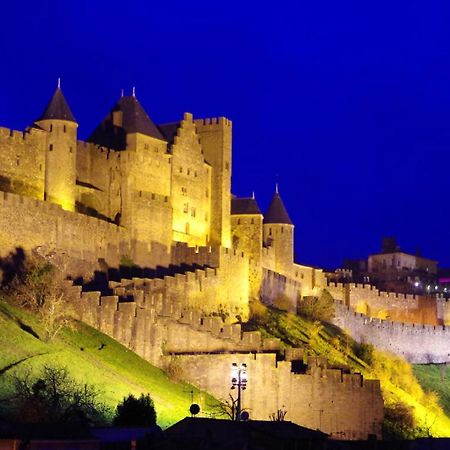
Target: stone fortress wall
column 419, row 344
column 366, row 299
column 171, row 335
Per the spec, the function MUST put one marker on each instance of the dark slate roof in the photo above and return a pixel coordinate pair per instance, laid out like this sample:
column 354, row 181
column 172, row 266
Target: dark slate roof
column 169, row 131
column 277, row 212
column 244, row 206
column 57, row 108
column 134, row 120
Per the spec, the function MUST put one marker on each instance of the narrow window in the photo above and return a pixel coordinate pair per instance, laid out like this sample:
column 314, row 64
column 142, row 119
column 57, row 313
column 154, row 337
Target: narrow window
column 65, row 129
column 181, row 170
column 253, row 221
column 239, row 221
column 188, row 171
column 270, row 231
column 185, row 207
column 51, row 127
column 50, row 147
column 193, row 212
column 227, row 165
column 70, row 149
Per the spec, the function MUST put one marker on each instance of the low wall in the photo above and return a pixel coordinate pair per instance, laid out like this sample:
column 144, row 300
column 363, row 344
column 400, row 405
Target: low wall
column 419, row 344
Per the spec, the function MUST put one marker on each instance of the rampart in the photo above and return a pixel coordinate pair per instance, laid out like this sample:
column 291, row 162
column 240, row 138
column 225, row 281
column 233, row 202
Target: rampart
column 367, row 299
column 278, row 290
column 23, row 162
column 315, row 396
column 419, row 344
column 28, row 223
column 201, row 350
column 151, row 323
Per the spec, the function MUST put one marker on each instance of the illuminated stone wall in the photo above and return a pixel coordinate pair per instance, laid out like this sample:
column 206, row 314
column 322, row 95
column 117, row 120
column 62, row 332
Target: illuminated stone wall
column 368, row 300
column 191, row 187
column 198, row 349
column 344, row 405
column 22, row 168
column 419, row 344
column 215, row 139
column 27, row 224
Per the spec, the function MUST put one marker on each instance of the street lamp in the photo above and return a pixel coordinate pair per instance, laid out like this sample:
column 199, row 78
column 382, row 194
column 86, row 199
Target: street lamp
column 238, row 380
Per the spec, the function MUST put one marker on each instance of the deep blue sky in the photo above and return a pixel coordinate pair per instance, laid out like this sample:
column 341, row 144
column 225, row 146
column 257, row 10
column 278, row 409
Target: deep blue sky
column 348, row 102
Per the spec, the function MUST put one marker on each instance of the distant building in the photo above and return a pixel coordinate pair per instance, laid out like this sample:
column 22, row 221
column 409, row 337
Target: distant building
column 394, row 270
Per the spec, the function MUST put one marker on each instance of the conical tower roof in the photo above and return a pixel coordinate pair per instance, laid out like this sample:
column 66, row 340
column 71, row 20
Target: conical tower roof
column 276, row 212
column 58, row 108
column 133, row 119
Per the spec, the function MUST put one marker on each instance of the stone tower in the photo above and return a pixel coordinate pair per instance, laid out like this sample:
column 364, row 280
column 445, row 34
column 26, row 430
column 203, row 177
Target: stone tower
column 215, row 138
column 60, row 158
column 278, row 233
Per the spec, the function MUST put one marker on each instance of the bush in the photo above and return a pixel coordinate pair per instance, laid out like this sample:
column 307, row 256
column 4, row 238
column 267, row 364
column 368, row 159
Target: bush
column 317, row 308
column 38, row 287
column 135, row 412
column 364, row 352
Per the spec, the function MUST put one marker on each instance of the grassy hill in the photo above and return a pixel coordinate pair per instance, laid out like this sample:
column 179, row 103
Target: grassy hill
column 398, row 381
column 435, row 378
column 91, row 357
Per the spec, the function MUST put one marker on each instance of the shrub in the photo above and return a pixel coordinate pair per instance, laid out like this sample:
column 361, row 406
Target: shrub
column 38, row 287
column 135, row 412
column 364, row 352
column 317, row 308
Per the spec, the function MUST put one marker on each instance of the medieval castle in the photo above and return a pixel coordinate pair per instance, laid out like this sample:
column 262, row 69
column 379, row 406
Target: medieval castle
column 159, row 196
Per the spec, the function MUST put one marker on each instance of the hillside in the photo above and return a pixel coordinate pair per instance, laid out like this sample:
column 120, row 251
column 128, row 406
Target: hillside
column 435, row 377
column 91, row 357
column 398, row 382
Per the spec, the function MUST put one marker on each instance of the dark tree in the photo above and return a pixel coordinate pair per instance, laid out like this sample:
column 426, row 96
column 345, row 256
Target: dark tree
column 135, row 412
column 54, row 397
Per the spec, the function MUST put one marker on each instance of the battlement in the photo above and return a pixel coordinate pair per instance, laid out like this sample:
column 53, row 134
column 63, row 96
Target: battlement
column 213, row 122
column 16, row 136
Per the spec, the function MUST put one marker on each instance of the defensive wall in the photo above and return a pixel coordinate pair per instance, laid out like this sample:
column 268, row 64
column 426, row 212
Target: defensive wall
column 221, row 290
column 151, row 324
column 314, row 396
column 419, row 344
column 23, row 161
column 27, row 223
column 201, row 350
column 367, row 299
column 280, row 291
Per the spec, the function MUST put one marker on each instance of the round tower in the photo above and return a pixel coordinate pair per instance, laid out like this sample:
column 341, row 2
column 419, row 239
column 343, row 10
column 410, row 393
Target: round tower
column 60, row 161
column 278, row 233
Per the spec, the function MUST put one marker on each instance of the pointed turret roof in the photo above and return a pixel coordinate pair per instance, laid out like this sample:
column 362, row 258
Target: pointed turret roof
column 246, row 205
column 276, row 212
column 58, row 108
column 133, row 119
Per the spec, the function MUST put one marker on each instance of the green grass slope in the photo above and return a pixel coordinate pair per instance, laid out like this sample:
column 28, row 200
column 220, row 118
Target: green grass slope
column 94, row 358
column 435, row 378
column 398, row 382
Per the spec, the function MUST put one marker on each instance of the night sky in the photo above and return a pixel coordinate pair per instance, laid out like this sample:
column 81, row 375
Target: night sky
column 348, row 102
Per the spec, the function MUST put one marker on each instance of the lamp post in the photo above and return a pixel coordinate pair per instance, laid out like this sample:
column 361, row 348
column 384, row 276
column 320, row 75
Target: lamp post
column 238, row 380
